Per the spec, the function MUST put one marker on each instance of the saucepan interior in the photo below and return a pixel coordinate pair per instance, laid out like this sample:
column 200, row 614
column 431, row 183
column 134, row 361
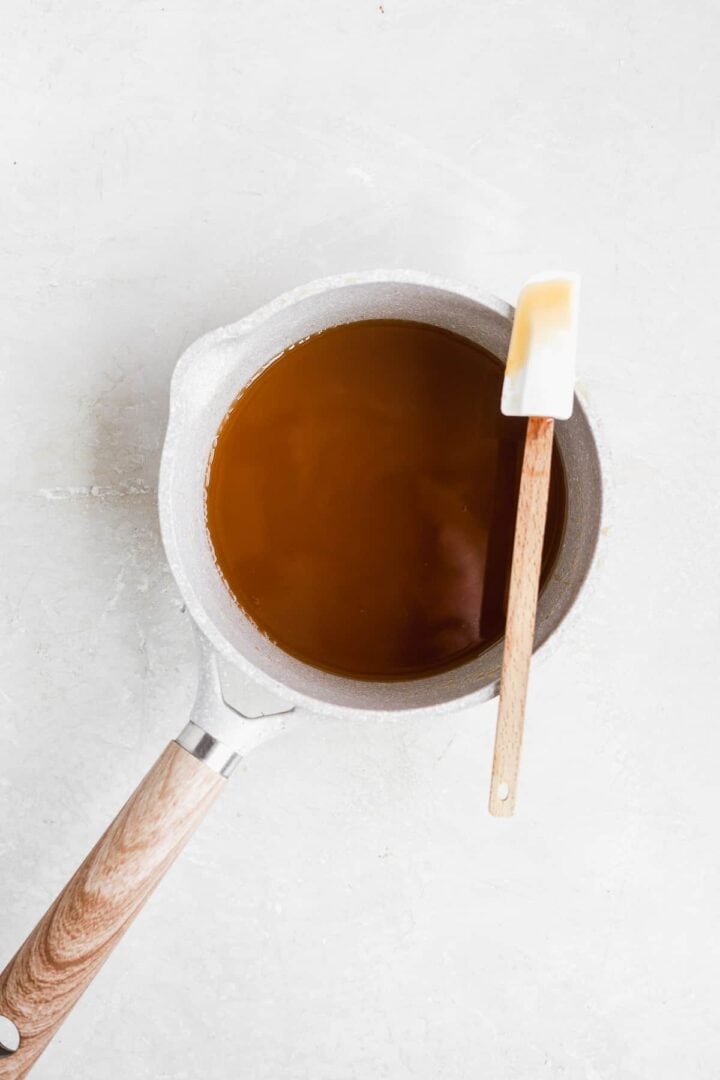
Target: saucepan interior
column 209, row 377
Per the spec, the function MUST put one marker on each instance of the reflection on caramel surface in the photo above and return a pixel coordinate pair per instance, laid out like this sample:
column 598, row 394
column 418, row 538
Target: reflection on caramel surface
column 361, row 499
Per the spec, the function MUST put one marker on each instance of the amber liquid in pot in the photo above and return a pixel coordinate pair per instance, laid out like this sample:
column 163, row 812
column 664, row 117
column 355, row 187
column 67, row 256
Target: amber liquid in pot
column 361, row 500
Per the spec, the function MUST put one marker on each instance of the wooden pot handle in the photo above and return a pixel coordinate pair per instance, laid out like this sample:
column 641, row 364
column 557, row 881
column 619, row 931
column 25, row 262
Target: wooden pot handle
column 66, row 949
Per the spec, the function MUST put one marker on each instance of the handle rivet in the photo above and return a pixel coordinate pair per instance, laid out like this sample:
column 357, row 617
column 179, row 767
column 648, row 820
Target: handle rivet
column 9, row 1036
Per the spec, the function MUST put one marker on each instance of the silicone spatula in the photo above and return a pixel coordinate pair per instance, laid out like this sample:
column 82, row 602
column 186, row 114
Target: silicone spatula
column 539, row 384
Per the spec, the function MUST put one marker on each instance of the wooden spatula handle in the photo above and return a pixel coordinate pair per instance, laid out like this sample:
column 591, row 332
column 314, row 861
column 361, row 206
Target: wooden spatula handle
column 522, row 607
column 56, row 963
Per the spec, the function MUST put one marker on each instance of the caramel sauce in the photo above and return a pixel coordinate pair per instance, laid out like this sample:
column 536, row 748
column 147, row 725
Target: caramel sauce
column 361, row 500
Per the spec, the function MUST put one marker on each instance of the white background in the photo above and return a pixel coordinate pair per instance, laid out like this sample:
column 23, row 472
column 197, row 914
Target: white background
column 348, row 911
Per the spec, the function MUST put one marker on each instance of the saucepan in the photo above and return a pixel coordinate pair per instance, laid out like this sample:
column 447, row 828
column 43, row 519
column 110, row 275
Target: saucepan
column 248, row 688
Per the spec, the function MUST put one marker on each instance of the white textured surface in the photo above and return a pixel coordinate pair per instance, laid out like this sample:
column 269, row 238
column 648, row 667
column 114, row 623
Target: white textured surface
column 349, row 911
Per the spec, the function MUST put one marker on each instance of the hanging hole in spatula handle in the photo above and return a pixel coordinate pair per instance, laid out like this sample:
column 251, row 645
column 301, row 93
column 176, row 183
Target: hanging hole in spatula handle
column 502, row 795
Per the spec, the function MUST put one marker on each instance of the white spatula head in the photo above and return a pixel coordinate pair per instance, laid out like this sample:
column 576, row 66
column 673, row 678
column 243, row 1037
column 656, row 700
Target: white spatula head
column 540, row 371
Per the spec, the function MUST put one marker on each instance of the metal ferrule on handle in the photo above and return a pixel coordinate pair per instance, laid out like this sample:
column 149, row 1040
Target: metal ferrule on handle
column 208, row 749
